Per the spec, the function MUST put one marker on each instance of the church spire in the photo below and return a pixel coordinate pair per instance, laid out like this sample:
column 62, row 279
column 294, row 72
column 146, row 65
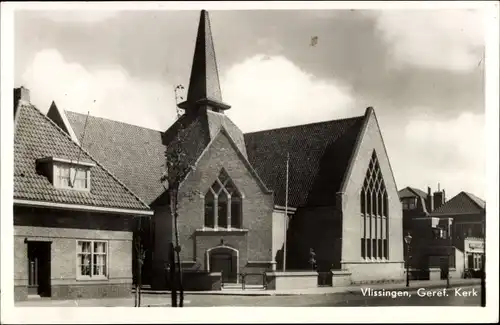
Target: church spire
column 204, row 86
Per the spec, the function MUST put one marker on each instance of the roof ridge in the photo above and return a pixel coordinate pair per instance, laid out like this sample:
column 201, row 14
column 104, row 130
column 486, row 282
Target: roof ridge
column 307, row 124
column 416, row 190
column 91, row 157
column 111, row 120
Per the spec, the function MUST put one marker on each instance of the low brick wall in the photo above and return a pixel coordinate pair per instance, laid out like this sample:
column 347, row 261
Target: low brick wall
column 434, row 273
column 85, row 291
column 291, row 280
column 20, row 293
column 455, row 273
column 341, row 278
column 201, row 281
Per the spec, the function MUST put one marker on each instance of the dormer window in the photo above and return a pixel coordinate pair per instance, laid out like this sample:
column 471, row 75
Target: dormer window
column 66, row 174
column 71, row 177
column 409, row 203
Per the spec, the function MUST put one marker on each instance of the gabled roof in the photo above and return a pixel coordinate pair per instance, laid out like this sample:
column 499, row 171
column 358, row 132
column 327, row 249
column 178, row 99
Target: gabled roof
column 59, row 117
column 462, row 203
column 35, row 137
column 411, row 192
column 319, row 157
column 480, row 202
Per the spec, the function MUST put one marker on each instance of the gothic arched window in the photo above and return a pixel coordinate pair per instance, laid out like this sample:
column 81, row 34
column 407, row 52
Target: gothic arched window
column 223, row 204
column 374, row 205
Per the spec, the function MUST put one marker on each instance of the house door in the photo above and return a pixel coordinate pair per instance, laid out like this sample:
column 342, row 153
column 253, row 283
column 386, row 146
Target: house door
column 39, row 268
column 222, row 261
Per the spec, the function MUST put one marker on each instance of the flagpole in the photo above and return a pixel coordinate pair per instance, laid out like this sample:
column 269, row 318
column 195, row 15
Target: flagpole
column 286, row 212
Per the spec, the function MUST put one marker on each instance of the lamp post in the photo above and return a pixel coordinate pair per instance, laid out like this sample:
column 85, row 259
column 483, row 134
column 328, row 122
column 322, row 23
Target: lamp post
column 408, row 241
column 449, row 257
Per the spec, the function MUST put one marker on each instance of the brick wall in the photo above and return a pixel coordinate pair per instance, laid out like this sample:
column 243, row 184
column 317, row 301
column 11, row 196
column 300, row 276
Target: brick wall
column 63, row 228
column 254, row 244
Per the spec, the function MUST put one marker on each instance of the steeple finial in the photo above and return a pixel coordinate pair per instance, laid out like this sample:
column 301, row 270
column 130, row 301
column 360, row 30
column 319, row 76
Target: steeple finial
column 204, row 85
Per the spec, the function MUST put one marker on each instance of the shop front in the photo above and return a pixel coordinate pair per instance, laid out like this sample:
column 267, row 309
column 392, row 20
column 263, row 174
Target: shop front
column 474, row 257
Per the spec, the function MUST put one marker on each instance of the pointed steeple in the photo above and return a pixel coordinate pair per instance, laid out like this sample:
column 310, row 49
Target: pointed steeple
column 204, row 86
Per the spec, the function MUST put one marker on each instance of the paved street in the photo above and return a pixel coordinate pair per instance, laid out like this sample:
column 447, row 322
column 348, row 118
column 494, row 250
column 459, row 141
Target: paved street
column 341, row 300
column 434, row 297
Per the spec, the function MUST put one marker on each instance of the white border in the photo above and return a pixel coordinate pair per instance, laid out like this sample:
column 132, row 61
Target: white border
column 292, row 315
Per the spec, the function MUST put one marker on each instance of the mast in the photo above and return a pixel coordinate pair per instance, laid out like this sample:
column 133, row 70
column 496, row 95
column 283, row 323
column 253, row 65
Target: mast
column 286, row 210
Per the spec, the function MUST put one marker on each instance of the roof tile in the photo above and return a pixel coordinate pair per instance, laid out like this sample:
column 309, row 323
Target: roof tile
column 319, row 157
column 462, row 203
column 36, row 136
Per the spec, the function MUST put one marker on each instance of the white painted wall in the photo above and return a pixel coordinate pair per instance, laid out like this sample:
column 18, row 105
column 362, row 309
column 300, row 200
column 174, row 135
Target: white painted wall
column 278, row 231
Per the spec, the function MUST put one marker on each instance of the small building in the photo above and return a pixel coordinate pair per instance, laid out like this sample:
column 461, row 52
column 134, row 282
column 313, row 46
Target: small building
column 468, row 213
column 447, row 236
column 73, row 219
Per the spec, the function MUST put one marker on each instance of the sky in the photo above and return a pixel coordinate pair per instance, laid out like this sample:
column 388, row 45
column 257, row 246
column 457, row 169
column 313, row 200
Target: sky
column 421, row 70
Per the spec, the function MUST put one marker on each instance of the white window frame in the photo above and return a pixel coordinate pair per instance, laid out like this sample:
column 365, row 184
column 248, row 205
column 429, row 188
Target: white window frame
column 58, row 168
column 92, row 242
column 375, row 220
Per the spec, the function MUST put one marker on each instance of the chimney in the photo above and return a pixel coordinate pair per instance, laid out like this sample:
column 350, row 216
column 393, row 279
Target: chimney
column 430, row 202
column 21, row 95
column 439, row 198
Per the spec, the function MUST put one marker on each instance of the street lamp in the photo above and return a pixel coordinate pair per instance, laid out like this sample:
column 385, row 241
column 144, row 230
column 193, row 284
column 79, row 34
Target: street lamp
column 449, row 257
column 408, row 241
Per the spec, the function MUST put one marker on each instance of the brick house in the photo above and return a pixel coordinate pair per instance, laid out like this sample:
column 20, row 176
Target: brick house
column 73, row 220
column 418, row 204
column 468, row 213
column 231, row 200
column 447, row 236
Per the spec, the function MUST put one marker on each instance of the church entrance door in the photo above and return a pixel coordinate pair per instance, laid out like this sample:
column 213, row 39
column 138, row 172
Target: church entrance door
column 224, row 260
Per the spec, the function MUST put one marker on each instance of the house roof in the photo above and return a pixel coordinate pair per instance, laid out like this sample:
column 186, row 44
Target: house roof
column 319, row 152
column 134, row 154
column 319, row 156
column 462, row 203
column 411, row 192
column 36, row 137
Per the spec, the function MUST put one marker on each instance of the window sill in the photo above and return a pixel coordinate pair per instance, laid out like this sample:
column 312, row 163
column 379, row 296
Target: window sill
column 91, row 278
column 374, row 260
column 229, row 230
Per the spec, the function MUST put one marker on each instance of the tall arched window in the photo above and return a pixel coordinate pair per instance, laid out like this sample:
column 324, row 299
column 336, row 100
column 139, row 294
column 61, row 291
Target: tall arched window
column 374, row 213
column 223, row 204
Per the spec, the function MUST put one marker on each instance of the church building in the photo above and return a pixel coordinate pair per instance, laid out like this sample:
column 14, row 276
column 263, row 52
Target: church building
column 342, row 198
